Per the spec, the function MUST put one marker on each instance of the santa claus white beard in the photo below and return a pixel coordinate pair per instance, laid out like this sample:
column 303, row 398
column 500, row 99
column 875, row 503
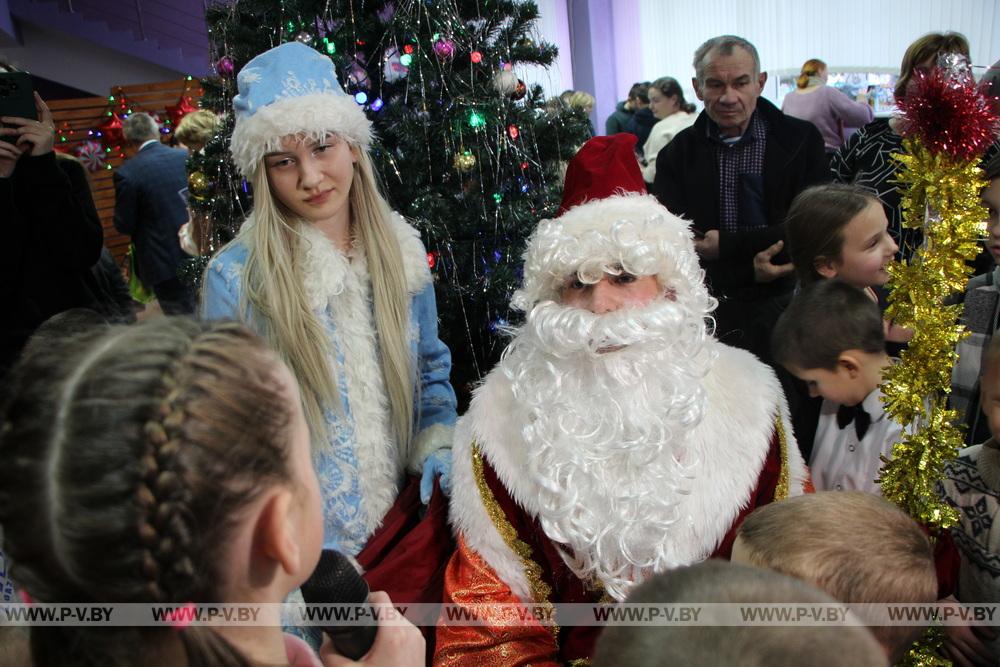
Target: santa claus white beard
column 610, row 400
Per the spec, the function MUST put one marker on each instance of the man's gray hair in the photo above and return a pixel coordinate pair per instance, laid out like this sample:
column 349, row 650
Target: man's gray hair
column 722, row 45
column 140, row 127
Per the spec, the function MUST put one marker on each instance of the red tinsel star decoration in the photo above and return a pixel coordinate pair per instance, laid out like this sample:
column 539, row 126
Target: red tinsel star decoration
column 947, row 113
column 111, row 131
column 179, row 110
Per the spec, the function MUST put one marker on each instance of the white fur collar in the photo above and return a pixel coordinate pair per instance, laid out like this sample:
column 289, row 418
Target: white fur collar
column 341, row 287
column 732, row 442
column 325, row 267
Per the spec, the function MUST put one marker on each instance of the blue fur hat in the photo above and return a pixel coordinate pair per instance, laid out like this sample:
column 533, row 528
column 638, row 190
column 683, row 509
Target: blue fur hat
column 291, row 89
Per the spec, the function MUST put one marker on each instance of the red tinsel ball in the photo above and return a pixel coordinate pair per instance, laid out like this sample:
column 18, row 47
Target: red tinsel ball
column 177, row 111
column 111, row 131
column 948, row 114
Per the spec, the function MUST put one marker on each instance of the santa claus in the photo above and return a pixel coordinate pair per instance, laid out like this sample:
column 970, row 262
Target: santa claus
column 617, row 438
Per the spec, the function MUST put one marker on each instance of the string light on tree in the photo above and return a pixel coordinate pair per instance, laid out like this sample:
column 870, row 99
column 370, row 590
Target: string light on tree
column 476, row 120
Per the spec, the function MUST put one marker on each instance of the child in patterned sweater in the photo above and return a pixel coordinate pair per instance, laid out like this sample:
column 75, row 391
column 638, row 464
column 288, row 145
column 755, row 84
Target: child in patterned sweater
column 971, row 484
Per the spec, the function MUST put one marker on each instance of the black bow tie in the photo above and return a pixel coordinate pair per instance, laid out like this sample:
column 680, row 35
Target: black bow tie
column 854, row 413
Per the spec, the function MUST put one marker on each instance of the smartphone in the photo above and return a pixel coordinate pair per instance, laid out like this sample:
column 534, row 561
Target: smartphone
column 16, row 97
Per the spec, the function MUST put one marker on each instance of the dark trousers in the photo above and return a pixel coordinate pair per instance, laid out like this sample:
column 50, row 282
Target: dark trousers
column 175, row 297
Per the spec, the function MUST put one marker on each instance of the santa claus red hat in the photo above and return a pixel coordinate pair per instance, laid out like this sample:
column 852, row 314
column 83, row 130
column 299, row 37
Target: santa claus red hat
column 607, row 223
column 604, row 166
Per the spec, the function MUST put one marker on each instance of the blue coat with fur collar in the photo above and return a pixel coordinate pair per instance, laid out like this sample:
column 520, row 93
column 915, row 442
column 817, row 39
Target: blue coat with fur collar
column 360, row 468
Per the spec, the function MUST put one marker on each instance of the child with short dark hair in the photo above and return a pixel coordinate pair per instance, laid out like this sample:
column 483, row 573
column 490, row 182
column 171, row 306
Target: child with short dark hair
column 831, row 338
column 830, row 540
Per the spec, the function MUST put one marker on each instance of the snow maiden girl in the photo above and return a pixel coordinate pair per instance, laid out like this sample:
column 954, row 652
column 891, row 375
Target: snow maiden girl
column 338, row 285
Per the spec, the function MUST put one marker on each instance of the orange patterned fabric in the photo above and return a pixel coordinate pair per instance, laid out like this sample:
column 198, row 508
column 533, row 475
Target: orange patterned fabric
column 469, row 580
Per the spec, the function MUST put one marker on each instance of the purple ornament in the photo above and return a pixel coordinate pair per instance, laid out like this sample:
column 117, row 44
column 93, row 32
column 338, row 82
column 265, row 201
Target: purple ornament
column 444, row 49
column 225, row 67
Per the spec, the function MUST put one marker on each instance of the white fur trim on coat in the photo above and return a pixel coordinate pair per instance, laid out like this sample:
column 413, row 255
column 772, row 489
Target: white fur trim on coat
column 314, row 116
column 326, row 267
column 731, row 442
column 428, row 441
column 343, row 285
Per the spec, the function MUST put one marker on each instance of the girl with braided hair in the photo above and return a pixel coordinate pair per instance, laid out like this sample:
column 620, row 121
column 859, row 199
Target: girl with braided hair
column 338, row 284
column 167, row 462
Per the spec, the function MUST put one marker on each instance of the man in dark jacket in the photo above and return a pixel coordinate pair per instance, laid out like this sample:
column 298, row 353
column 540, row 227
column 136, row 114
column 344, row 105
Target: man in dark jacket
column 734, row 174
column 619, row 119
column 149, row 207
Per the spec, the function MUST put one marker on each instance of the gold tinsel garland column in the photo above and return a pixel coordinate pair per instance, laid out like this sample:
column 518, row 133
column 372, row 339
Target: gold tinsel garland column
column 942, row 198
column 947, row 125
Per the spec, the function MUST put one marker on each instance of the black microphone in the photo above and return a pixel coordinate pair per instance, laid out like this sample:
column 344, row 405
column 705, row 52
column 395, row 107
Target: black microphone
column 335, row 581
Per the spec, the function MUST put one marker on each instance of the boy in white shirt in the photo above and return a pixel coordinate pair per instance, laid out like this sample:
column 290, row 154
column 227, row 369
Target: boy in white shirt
column 831, row 337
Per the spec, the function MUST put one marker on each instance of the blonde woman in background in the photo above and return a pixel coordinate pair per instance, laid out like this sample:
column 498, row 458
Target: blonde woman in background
column 673, row 113
column 582, row 101
column 338, row 285
column 827, row 108
column 195, row 129
column 193, row 132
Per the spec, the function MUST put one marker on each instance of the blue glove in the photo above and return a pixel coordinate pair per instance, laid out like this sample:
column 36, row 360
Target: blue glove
column 438, row 463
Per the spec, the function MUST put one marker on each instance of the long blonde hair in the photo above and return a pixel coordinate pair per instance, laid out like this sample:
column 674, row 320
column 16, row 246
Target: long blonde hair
column 274, row 288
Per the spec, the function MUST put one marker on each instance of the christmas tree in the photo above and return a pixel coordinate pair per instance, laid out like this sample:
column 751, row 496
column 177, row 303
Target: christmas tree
column 466, row 152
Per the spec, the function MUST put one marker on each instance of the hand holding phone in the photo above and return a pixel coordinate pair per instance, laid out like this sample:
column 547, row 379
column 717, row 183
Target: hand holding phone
column 16, row 95
column 16, row 98
column 35, row 136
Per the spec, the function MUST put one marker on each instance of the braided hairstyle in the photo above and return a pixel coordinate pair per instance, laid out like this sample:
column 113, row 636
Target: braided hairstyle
column 128, row 453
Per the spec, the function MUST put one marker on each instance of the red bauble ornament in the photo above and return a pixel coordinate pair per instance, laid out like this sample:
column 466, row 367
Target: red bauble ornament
column 520, row 91
column 948, row 114
column 179, row 110
column 111, row 131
